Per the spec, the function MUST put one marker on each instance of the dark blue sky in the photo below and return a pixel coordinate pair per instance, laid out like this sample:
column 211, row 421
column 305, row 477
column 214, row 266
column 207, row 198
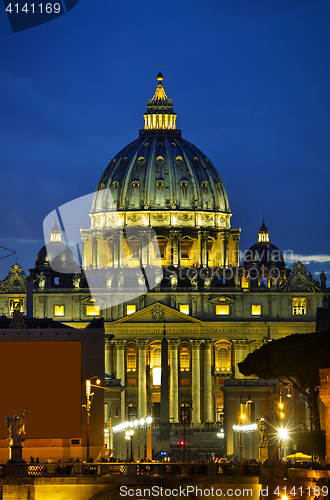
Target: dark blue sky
column 250, row 82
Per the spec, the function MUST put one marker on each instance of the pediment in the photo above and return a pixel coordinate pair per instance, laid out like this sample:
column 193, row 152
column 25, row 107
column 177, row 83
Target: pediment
column 158, row 313
column 222, row 299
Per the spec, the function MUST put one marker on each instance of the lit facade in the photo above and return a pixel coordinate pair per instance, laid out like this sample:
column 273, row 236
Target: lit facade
column 215, row 310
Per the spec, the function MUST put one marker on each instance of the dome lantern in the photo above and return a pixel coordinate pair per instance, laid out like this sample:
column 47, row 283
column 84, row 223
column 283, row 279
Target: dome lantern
column 160, row 115
column 263, row 235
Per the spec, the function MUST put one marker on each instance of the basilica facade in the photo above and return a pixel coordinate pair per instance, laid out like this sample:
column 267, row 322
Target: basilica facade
column 160, row 209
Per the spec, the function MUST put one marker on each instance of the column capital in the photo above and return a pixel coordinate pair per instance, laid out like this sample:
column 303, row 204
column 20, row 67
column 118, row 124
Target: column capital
column 142, row 344
column 175, row 232
column 208, row 344
column 144, row 232
column 224, row 235
column 108, row 343
column 173, row 344
column 240, row 342
column 120, row 344
column 195, row 344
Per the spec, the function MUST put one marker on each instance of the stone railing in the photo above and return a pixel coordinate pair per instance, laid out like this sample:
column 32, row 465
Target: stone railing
column 127, row 469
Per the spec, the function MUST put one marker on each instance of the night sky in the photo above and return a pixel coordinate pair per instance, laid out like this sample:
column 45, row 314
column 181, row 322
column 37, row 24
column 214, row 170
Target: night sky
column 250, row 82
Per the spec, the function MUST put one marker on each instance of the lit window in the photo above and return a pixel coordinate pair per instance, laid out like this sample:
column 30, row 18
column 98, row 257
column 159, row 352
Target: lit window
column 184, row 308
column 130, row 309
column 223, row 309
column 156, row 376
column 134, row 249
column 131, row 360
column 16, row 305
column 255, row 309
column 92, row 310
column 59, row 311
column 156, row 359
column 184, row 360
column 299, row 306
column 223, row 359
column 184, row 251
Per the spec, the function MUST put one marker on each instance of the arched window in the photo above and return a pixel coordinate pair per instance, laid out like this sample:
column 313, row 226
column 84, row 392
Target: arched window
column 131, row 360
column 223, row 359
column 156, row 358
column 184, row 360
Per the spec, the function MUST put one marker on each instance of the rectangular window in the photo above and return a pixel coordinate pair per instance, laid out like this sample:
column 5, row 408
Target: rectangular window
column 156, row 376
column 299, row 305
column 131, row 308
column 223, row 309
column 59, row 311
column 184, row 308
column 16, row 305
column 92, row 310
column 255, row 309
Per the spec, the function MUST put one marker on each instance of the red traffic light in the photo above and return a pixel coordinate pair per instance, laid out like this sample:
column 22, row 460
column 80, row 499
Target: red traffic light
column 181, row 443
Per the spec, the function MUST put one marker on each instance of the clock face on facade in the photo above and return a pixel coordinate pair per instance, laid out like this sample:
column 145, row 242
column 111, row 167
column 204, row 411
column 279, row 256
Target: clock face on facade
column 299, row 281
column 16, row 282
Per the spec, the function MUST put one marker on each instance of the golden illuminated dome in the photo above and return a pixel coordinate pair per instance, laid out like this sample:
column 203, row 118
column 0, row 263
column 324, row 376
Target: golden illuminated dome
column 161, row 171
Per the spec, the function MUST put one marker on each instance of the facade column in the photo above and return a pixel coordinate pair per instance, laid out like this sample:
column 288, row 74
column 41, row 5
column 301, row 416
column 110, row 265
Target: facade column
column 120, row 345
column 225, row 261
column 205, row 257
column 142, row 379
column 207, row 381
column 84, row 238
column 76, row 307
column 94, row 252
column 144, row 247
column 196, row 382
column 241, row 351
column 108, row 357
column 42, row 306
column 194, row 299
column 200, row 248
column 324, row 394
column 175, row 243
column 236, row 256
column 174, row 377
column 116, row 249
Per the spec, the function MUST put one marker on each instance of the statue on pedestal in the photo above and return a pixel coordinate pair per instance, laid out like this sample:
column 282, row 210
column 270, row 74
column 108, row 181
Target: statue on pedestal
column 16, row 427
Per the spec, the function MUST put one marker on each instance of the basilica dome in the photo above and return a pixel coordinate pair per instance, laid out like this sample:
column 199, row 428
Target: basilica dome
column 264, row 253
column 160, row 170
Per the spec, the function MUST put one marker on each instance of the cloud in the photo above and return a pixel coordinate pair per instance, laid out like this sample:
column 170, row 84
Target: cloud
column 307, row 259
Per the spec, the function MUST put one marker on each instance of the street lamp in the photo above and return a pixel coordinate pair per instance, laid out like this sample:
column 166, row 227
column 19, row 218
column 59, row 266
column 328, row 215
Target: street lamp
column 110, row 436
column 242, row 418
column 88, row 405
column 129, row 437
column 282, row 432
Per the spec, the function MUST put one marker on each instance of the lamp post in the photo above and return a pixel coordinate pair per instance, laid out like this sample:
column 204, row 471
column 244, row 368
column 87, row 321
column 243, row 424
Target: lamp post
column 242, row 418
column 114, row 405
column 88, row 405
column 129, row 437
column 280, row 413
column 190, row 399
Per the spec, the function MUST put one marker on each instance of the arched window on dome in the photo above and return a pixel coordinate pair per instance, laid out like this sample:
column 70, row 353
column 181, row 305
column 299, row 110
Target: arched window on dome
column 264, row 282
column 184, row 360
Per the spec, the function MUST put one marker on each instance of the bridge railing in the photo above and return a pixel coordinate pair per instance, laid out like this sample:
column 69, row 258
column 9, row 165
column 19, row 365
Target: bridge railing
column 127, row 469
